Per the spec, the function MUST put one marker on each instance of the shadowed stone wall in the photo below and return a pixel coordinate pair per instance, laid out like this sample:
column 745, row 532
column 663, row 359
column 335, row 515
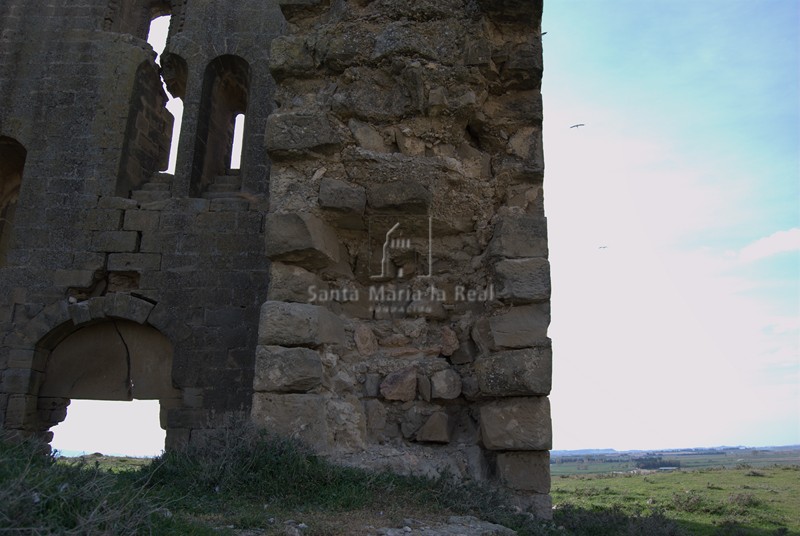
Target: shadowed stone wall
column 373, row 280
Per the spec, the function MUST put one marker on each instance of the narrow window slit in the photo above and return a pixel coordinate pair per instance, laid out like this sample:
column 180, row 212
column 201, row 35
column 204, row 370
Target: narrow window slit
column 238, row 137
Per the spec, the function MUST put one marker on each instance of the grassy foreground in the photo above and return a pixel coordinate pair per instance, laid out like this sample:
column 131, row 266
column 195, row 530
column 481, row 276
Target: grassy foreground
column 738, row 501
column 247, row 480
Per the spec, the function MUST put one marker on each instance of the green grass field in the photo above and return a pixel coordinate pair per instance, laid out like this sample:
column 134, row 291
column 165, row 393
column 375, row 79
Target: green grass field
column 737, row 501
column 246, row 480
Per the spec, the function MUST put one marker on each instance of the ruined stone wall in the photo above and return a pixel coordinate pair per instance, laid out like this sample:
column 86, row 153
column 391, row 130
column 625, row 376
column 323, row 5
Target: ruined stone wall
column 100, row 237
column 373, row 280
column 423, row 117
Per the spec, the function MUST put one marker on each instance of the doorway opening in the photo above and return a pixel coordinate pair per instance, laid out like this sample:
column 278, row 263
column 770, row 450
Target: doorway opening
column 111, row 428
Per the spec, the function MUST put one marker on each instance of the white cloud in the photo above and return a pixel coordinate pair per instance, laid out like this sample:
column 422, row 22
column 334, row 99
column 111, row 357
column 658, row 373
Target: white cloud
column 779, row 242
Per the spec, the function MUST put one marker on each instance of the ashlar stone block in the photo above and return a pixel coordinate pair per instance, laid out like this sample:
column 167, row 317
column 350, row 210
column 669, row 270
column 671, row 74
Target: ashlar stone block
column 523, row 280
column 520, row 327
column 301, row 239
column 405, row 195
column 298, row 324
column 286, row 370
column 525, row 471
column 518, row 236
column 292, row 283
column 298, row 416
column 517, row 424
column 341, row 196
column 516, row 372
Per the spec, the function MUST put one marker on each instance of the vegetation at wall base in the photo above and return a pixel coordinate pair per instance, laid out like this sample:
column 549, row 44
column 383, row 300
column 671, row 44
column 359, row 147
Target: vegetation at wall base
column 244, row 479
column 41, row 497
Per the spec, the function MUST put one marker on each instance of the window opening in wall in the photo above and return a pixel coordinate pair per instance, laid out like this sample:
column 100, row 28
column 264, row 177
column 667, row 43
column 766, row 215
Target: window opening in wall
column 226, row 90
column 12, row 163
column 238, row 137
column 110, row 428
column 157, row 37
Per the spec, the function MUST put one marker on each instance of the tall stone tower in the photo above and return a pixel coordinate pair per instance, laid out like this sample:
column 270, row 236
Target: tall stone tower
column 372, row 279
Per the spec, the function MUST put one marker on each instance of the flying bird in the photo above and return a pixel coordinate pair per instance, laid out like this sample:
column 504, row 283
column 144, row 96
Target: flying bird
column 602, row 247
column 578, row 125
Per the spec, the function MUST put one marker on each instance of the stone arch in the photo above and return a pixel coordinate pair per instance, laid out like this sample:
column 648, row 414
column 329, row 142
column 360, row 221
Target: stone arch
column 113, row 347
column 225, row 94
column 111, row 360
column 12, row 164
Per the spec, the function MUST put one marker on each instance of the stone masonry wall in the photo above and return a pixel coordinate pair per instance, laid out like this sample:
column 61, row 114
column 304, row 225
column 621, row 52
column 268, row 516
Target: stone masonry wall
column 100, row 236
column 373, row 280
column 431, row 353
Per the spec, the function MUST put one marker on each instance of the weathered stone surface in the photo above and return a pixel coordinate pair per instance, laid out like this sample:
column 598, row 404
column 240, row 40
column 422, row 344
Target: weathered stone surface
column 302, row 239
column 405, row 195
column 20, row 381
column 520, row 327
column 298, row 324
column 370, row 95
column 466, row 351
column 445, row 384
column 424, row 387
column 299, row 416
column 376, row 416
column 436, row 429
column 523, row 70
column 347, row 424
column 516, row 372
column 372, row 385
column 365, row 340
column 290, row 56
column 291, row 283
column 519, row 236
column 294, row 131
column 449, row 342
column 286, row 370
column 342, row 197
column 525, row 471
column 344, row 45
column 400, row 385
column 409, row 144
column 523, row 280
column 517, row 424
column 367, row 137
column 538, row 504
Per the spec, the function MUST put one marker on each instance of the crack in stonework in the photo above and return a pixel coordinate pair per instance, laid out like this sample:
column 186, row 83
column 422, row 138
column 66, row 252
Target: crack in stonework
column 128, row 379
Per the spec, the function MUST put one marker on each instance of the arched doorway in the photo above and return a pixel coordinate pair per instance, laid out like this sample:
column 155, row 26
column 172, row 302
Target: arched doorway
column 111, row 360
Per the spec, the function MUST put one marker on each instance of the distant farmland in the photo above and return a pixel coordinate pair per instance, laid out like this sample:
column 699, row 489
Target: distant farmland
column 592, row 462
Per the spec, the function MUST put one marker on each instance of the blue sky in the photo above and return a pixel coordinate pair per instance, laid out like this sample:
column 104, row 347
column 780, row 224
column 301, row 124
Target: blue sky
column 684, row 329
